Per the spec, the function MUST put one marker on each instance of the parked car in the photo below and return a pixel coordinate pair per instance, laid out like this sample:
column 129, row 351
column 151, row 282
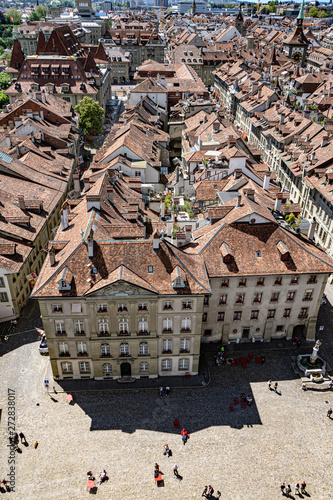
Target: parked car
column 43, row 349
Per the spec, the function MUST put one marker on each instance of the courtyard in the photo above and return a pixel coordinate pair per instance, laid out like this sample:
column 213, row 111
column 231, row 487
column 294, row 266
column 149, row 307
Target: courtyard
column 245, row 454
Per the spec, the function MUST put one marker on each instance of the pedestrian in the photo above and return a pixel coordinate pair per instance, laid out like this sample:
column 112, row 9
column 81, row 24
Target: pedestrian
column 167, row 390
column 269, row 384
column 263, row 359
column 22, row 437
column 303, row 386
column 167, row 450
column 329, row 413
column 210, row 490
column 222, row 349
column 157, row 467
column 16, row 438
column 330, row 384
column 204, row 493
column 175, row 470
column 283, row 487
column 218, row 494
column 161, row 392
column 184, row 438
column 102, row 477
column 303, row 486
column 90, row 476
column 288, row 490
column 299, row 342
column 184, row 435
column 276, row 386
column 36, row 445
column 295, row 340
column 297, row 489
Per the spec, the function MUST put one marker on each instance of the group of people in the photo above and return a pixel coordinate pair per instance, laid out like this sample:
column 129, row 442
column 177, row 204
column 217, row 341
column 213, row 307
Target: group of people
column 15, row 438
column 164, row 390
column 220, row 358
column 246, row 399
column 275, row 387
column 209, row 491
column 299, row 488
column 101, row 479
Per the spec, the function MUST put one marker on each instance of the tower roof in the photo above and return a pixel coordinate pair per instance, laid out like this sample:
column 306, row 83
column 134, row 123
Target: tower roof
column 301, row 11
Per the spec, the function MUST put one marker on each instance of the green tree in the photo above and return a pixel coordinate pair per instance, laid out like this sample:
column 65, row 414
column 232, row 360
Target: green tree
column 313, row 12
column 15, row 14
column 4, row 80
column 91, row 115
column 8, row 58
column 39, row 13
column 322, row 14
column 4, row 99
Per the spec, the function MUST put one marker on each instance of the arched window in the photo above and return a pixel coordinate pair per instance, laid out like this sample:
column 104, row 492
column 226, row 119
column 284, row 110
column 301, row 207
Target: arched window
column 105, row 350
column 107, row 368
column 143, row 325
column 123, row 327
column 143, row 348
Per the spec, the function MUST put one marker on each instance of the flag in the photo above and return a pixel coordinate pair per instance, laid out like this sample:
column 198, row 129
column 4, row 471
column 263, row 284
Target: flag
column 12, row 19
column 32, row 278
column 68, row 11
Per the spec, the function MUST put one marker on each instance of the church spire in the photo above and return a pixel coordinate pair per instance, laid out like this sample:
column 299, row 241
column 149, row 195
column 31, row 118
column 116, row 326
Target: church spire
column 300, row 16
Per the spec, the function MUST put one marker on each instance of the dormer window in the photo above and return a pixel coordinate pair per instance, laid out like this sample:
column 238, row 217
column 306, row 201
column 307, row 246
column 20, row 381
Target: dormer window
column 178, row 276
column 65, row 281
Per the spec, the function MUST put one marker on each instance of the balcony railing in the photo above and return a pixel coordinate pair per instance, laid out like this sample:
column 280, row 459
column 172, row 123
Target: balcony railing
column 58, row 310
column 124, row 355
column 167, row 308
column 303, row 315
column 122, row 309
column 307, row 298
column 61, row 334
column 185, row 329
column 167, row 330
column 167, row 351
column 77, row 334
column 184, row 350
column 64, row 354
column 188, row 306
column 105, row 355
column 143, row 332
column 103, row 334
column 82, row 353
column 123, row 333
column 144, row 308
column 102, row 311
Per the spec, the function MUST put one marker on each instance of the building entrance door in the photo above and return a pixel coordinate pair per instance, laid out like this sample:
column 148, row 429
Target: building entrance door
column 125, row 370
column 246, row 333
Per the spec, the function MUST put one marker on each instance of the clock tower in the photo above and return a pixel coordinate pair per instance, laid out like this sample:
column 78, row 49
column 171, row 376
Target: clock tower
column 296, row 44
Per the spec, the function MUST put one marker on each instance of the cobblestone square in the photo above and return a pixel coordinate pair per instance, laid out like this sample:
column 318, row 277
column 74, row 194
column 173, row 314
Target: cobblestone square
column 245, row 454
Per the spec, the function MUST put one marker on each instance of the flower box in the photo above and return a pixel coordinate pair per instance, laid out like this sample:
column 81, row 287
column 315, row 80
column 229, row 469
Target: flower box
column 142, row 308
column 57, row 310
column 185, row 330
column 124, row 355
column 79, row 333
column 61, row 334
column 143, row 332
column 123, row 332
column 102, row 310
column 124, row 309
column 103, row 334
column 105, row 355
column 167, row 351
column 184, row 350
column 82, row 354
column 166, row 308
column 64, row 354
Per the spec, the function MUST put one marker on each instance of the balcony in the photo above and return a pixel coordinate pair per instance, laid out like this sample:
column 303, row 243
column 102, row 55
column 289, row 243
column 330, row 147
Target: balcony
column 77, row 334
column 122, row 309
column 239, row 301
column 144, row 308
column 82, row 353
column 103, row 334
column 167, row 351
column 61, row 334
column 123, row 333
column 307, row 298
column 143, row 332
column 102, row 311
column 57, row 310
column 167, row 308
column 184, row 351
column 189, row 306
column 104, row 355
column 184, row 330
column 303, row 316
column 274, row 300
column 64, row 354
column 167, row 330
column 124, row 355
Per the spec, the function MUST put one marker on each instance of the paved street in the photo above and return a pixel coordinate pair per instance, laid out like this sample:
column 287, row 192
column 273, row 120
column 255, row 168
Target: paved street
column 246, row 453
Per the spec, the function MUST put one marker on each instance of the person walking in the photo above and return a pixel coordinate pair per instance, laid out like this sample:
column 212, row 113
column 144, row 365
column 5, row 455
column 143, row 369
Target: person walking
column 102, row 477
column 167, row 450
column 184, row 435
column 204, row 493
column 330, row 384
column 210, row 490
column 297, row 489
column 167, row 390
column 175, row 470
column 288, row 490
column 329, row 413
column 22, row 437
column 303, row 486
column 161, row 392
column 283, row 487
column 218, row 495
column 276, row 386
column 269, row 384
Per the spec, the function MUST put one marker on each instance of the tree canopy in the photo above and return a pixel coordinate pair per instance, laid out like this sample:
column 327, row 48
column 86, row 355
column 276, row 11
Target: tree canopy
column 15, row 14
column 91, row 115
column 313, row 12
column 39, row 13
column 4, row 99
column 4, row 81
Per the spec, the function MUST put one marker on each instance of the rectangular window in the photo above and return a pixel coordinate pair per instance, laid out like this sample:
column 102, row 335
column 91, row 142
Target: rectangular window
column 143, row 306
column 60, row 328
column 3, row 297
column 166, row 364
column 167, row 346
column 303, row 312
column 57, row 308
column 237, row 315
column 242, row 282
column 254, row 314
column 184, row 345
column 260, row 281
column 204, row 317
column 278, row 280
column 271, row 313
column 275, row 297
column 168, row 306
column 187, row 304
column 312, row 278
column 150, row 269
column 81, row 348
column 240, row 298
column 67, row 368
column 102, row 308
column 186, row 325
column 122, row 308
column 294, row 280
column 308, row 295
column 220, row 316
column 286, row 313
column 84, row 367
column 290, row 296
column 124, row 349
column 144, row 367
column 206, row 300
column 2, row 283
column 103, row 327
column 78, row 327
column 223, row 300
column 143, row 349
column 63, row 348
column 167, row 325
column 224, row 283
column 257, row 298
column 279, row 328
column 183, row 364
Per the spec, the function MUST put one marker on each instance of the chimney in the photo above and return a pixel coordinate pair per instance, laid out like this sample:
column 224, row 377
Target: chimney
column 312, row 229
column 43, row 96
column 239, row 198
column 329, row 89
column 120, row 174
column 162, row 79
column 109, row 192
column 86, row 184
column 249, row 193
column 307, row 137
column 268, row 103
column 278, row 202
column 259, row 93
column 93, row 201
column 312, row 157
column 324, row 141
column 77, row 189
column 267, row 178
column 125, row 121
column 188, row 234
column 52, row 257
column 254, row 88
column 216, row 127
column 156, row 240
column 90, row 241
column 162, row 211
column 237, row 173
column 21, row 201
column 64, row 217
column 41, row 112
column 180, row 238
column 199, row 142
column 281, row 119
